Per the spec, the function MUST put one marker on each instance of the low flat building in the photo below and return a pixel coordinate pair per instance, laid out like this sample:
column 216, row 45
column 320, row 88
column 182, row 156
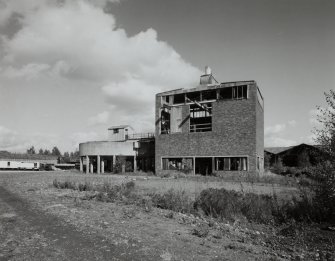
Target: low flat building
column 124, row 151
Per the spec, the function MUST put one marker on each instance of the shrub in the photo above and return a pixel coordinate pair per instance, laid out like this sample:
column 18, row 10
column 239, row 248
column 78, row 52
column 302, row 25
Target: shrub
column 174, row 200
column 221, row 203
column 64, row 185
column 87, row 186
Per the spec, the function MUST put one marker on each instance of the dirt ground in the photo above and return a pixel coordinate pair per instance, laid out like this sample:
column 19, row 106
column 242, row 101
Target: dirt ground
column 40, row 222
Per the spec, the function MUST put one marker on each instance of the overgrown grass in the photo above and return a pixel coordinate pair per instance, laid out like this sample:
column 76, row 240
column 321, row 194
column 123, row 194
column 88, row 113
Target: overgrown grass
column 214, row 202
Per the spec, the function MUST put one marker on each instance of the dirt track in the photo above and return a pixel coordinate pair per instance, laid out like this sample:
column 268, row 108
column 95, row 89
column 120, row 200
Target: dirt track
column 29, row 234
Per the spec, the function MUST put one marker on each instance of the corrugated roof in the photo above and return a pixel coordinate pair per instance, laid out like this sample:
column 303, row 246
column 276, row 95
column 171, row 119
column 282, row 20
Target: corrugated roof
column 276, row 150
column 119, row 127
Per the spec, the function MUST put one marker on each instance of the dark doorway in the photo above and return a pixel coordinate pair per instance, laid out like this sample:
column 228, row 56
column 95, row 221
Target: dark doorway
column 203, row 166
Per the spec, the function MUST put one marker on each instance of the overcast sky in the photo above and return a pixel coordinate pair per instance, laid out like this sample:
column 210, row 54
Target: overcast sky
column 71, row 69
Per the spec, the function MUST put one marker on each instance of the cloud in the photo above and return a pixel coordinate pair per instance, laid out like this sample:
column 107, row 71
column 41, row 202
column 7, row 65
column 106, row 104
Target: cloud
column 274, row 136
column 279, row 142
column 11, row 140
column 100, row 118
column 271, row 130
column 78, row 41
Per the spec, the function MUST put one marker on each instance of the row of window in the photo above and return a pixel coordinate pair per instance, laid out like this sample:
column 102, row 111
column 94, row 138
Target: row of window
column 231, row 163
column 220, row 163
column 227, row 93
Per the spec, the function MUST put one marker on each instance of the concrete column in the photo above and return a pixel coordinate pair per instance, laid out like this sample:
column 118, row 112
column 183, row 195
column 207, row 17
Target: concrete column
column 98, row 164
column 102, row 167
column 91, row 167
column 87, row 164
column 81, row 164
column 135, row 164
column 114, row 161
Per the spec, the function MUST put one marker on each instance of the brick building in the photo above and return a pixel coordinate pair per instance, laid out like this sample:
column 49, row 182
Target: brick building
column 210, row 128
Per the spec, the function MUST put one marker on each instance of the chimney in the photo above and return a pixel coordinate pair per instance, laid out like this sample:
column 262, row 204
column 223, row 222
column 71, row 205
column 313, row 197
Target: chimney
column 207, row 78
column 208, row 70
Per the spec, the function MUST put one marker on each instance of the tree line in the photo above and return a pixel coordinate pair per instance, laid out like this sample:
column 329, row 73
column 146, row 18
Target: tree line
column 54, row 151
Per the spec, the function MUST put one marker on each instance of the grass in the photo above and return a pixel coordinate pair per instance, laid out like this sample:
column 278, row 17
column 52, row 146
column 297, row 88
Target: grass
column 208, row 198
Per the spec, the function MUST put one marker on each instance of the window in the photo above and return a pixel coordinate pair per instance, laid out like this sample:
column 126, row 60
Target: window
column 115, row 131
column 193, row 96
column 8, row 164
column 181, row 164
column 201, row 117
column 231, row 163
column 226, row 93
column 236, row 92
column 209, row 95
column 167, row 99
column 165, row 121
column 179, row 98
column 240, row 92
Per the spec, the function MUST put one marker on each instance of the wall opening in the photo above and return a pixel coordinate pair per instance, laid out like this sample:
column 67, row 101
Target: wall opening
column 201, row 117
column 165, row 121
column 203, row 166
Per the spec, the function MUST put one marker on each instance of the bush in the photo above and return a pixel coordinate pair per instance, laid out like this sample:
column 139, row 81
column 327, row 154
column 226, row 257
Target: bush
column 224, row 204
column 64, row 185
column 174, row 200
column 87, row 186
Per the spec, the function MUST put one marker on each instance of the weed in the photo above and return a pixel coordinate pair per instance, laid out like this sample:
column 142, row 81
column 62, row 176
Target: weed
column 87, row 186
column 201, row 230
column 64, row 185
column 221, row 203
column 174, row 200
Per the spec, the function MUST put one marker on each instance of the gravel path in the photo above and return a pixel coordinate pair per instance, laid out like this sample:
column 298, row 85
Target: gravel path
column 30, row 234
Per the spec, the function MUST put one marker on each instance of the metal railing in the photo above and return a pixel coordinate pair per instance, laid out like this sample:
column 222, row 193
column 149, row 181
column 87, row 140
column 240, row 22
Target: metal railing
column 137, row 136
column 201, row 127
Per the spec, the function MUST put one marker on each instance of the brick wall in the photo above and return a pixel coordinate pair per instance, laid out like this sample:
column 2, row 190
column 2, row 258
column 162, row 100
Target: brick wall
column 237, row 130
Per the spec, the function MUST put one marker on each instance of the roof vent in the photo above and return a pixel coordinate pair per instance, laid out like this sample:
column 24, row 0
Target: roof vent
column 207, row 78
column 208, row 70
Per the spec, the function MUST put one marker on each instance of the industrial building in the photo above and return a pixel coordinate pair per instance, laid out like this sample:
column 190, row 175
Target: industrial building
column 214, row 127
column 124, row 151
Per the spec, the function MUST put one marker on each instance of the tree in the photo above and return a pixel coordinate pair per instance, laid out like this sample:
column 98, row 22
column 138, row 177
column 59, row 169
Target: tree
column 46, row 152
column 324, row 175
column 55, row 151
column 66, row 155
column 325, row 134
column 31, row 150
column 40, row 152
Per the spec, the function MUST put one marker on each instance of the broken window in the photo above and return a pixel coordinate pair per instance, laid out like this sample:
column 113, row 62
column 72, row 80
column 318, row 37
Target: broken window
column 193, row 96
column 181, row 164
column 165, row 121
column 236, row 92
column 240, row 92
column 209, row 95
column 201, row 117
column 167, row 99
column 179, row 98
column 231, row 163
column 226, row 93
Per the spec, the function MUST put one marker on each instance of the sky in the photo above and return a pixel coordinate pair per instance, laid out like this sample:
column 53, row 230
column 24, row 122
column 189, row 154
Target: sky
column 71, row 69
